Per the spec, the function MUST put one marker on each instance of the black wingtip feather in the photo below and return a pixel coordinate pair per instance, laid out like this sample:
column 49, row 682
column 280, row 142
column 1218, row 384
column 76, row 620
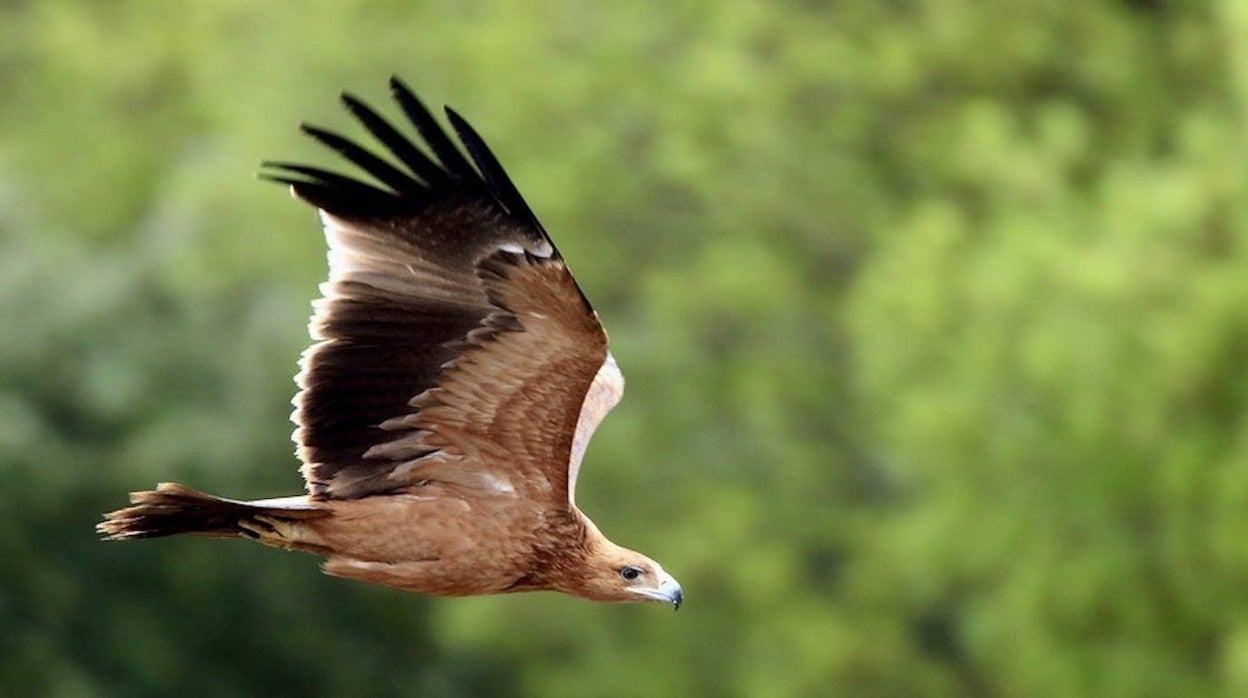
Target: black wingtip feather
column 375, row 166
column 404, row 149
column 360, row 201
column 491, row 169
column 431, row 177
column 439, row 142
column 322, row 176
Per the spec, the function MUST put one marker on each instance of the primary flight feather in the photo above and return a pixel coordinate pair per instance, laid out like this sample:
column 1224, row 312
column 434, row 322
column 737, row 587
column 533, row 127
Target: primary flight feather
column 457, row 377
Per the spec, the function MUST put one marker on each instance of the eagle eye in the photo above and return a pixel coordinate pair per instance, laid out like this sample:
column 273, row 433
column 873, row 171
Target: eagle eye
column 630, row 573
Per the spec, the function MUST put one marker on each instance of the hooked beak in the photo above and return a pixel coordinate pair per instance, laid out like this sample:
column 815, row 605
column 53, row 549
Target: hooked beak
column 668, row 591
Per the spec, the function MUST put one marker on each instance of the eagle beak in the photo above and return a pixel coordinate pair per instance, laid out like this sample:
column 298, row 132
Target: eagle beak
column 669, row 591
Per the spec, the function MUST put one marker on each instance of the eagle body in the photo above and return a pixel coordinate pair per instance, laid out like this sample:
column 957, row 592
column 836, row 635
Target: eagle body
column 415, row 540
column 456, row 379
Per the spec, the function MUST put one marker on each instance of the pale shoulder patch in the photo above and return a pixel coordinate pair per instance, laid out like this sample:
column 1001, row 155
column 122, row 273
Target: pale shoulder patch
column 604, row 394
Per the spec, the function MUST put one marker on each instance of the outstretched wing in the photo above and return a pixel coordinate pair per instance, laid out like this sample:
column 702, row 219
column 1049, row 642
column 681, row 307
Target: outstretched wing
column 454, row 343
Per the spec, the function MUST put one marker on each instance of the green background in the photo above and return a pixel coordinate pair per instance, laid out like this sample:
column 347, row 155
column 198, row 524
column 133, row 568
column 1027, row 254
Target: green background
column 934, row 316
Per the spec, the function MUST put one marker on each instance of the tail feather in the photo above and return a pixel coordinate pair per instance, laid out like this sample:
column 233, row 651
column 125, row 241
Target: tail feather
column 173, row 509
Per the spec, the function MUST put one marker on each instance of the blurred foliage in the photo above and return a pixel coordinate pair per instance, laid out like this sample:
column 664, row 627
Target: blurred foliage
column 934, row 314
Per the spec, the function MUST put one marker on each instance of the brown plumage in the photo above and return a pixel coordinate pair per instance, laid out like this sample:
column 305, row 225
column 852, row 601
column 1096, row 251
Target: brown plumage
column 458, row 376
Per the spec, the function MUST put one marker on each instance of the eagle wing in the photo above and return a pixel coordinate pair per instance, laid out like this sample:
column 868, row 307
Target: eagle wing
column 454, row 344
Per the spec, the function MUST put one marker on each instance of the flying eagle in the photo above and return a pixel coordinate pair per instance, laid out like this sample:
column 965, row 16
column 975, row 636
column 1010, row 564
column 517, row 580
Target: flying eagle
column 457, row 376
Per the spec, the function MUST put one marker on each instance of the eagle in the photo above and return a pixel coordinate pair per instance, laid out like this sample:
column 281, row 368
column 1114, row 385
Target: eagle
column 456, row 377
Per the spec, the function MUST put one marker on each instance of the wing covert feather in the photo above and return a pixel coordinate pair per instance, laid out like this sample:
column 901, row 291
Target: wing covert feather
column 509, row 404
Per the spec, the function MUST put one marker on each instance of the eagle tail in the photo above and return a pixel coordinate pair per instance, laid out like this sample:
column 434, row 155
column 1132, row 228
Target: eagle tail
column 173, row 509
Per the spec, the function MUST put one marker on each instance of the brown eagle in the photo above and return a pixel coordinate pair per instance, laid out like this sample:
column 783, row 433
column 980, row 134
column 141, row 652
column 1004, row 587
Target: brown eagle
column 457, row 377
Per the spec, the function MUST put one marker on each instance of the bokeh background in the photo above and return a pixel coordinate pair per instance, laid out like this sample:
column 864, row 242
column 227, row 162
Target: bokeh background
column 934, row 315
